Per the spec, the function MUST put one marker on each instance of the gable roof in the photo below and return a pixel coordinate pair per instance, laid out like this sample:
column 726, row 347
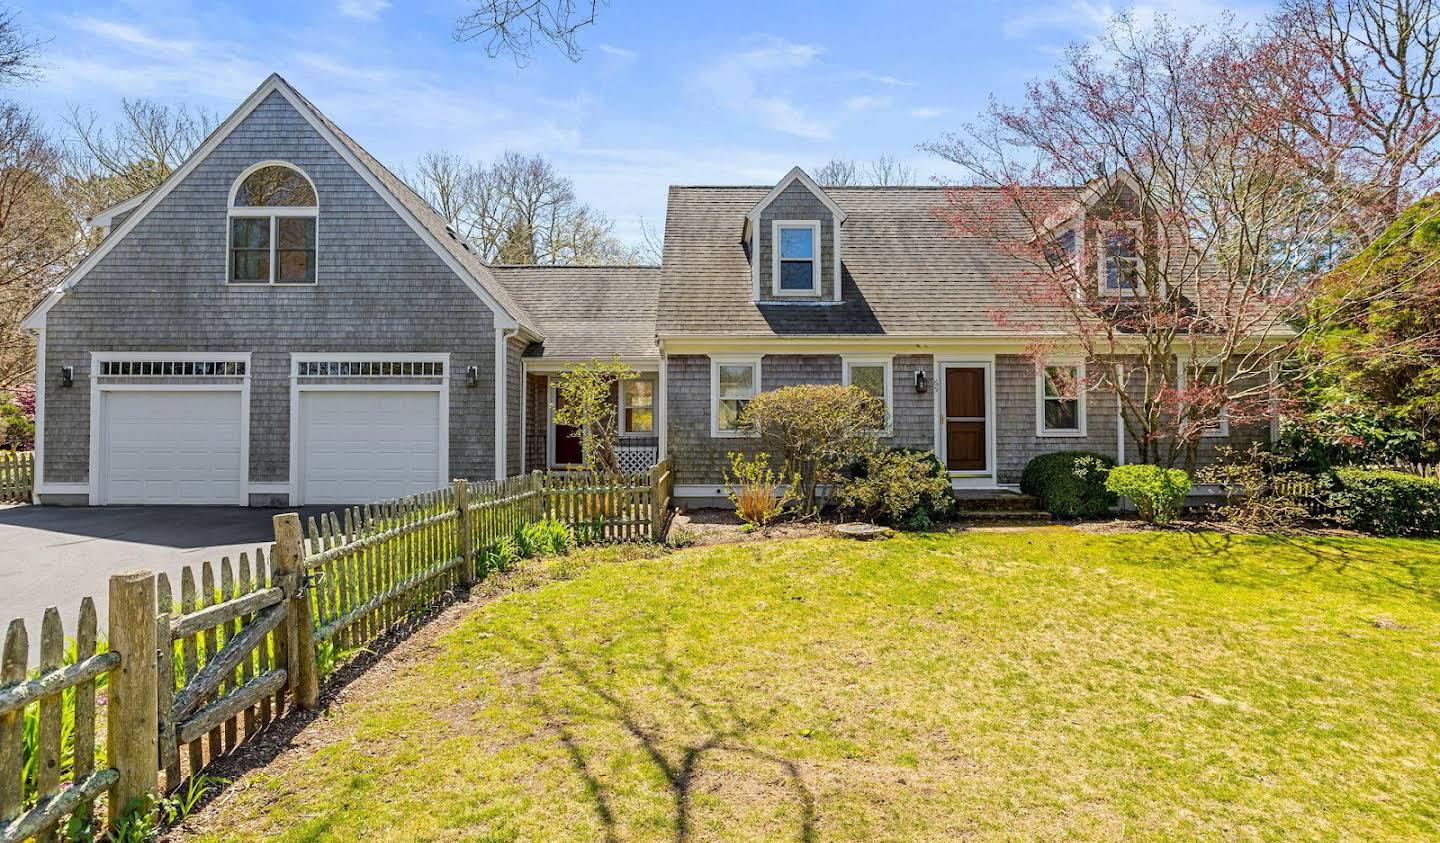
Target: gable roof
column 423, row 219
column 589, row 311
column 796, row 174
column 905, row 273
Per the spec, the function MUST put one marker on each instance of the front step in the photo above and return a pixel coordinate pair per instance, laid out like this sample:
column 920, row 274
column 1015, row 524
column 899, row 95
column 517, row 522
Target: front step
column 987, row 500
column 1003, row 515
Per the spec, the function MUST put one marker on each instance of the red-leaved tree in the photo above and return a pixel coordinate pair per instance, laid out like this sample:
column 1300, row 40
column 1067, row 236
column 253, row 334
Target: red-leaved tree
column 1154, row 221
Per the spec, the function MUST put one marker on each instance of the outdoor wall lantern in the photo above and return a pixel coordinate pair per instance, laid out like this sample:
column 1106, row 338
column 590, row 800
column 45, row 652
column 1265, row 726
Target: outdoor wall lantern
column 920, row 384
column 472, row 376
column 67, row 375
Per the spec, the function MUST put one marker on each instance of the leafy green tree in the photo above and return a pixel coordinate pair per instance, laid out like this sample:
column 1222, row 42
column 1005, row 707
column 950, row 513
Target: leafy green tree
column 588, row 402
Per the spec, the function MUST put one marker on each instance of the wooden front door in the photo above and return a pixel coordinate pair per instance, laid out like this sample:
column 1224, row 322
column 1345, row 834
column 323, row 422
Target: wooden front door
column 965, row 435
column 567, row 443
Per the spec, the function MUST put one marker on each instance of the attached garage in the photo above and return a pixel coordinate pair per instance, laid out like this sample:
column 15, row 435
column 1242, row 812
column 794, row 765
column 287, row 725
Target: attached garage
column 169, row 429
column 368, row 428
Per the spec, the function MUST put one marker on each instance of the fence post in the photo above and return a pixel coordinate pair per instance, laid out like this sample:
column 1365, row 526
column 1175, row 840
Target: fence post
column 467, row 545
column 290, row 564
column 657, row 509
column 133, row 721
column 537, row 496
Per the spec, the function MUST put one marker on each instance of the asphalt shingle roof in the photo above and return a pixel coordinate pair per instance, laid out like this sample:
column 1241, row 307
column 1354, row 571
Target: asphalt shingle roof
column 904, row 273
column 588, row 311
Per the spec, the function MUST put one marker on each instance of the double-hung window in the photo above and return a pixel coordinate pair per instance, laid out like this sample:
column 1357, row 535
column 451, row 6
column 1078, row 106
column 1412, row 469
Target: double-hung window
column 797, row 258
column 273, row 212
column 871, row 374
column 1202, row 384
column 1120, row 266
column 637, row 407
column 733, row 382
column 1060, row 400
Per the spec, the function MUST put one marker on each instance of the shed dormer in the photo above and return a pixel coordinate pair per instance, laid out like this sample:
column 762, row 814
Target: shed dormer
column 793, row 240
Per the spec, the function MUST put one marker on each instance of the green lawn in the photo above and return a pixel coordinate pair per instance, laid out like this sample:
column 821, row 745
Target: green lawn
column 1031, row 684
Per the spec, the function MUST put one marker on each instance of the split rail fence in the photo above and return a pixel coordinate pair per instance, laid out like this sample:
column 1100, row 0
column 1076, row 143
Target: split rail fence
column 185, row 677
column 17, row 476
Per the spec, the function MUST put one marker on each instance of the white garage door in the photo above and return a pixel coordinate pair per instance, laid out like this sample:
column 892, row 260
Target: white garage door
column 357, row 447
column 164, row 447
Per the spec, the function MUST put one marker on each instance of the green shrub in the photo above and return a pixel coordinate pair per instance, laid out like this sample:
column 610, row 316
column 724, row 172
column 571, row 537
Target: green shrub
column 546, row 537
column 1388, row 503
column 902, row 486
column 1156, row 492
column 1070, row 484
column 681, row 537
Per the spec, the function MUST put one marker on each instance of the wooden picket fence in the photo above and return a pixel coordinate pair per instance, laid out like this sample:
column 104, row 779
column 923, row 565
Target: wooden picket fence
column 1429, row 470
column 187, row 678
column 17, row 476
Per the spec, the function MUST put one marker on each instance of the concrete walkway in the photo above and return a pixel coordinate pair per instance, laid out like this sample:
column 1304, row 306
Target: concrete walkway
column 55, row 556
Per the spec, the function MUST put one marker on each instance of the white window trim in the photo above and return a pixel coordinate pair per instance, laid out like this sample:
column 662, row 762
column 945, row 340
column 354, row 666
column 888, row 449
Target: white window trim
column 887, row 361
column 1080, row 392
column 654, row 414
column 729, row 360
column 815, row 259
column 1102, row 254
column 272, row 214
column 1182, row 364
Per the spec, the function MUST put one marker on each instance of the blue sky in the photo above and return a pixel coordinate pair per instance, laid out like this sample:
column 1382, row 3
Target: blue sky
column 667, row 93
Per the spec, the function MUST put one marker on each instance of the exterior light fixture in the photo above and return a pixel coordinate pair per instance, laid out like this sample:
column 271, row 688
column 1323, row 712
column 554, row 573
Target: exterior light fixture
column 472, row 376
column 67, row 375
column 921, row 385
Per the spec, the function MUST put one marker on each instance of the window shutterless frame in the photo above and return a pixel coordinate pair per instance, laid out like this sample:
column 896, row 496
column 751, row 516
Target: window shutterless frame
column 885, row 363
column 776, row 261
column 1040, row 398
column 753, row 362
column 1104, row 231
column 625, row 406
column 273, row 214
column 1221, row 430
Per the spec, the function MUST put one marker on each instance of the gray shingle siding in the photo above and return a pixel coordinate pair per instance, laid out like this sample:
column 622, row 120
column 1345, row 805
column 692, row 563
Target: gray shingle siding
column 1016, row 442
column 381, row 289
column 912, row 413
column 796, row 203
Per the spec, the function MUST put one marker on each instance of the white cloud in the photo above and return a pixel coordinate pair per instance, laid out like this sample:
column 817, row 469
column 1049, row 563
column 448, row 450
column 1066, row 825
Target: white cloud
column 927, row 112
column 752, row 82
column 363, row 10
column 866, row 103
column 884, row 79
column 616, row 52
column 132, row 36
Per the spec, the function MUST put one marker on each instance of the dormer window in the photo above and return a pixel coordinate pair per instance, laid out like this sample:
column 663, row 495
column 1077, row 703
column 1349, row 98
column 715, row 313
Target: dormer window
column 797, row 258
column 273, row 212
column 1120, row 269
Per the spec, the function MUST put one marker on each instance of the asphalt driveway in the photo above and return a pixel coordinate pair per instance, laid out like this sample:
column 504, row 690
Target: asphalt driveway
column 55, row 556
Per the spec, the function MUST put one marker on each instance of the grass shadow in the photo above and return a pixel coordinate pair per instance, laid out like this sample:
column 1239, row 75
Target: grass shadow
column 724, row 728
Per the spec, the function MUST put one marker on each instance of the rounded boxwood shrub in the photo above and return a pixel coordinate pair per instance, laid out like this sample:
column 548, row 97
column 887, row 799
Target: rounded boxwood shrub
column 1388, row 503
column 1156, row 492
column 1069, row 484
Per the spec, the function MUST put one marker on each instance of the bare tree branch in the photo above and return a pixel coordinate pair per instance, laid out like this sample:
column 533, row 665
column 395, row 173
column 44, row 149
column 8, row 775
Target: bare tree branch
column 517, row 26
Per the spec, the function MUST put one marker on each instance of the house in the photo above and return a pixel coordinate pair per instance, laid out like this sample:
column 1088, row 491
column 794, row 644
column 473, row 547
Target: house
column 283, row 321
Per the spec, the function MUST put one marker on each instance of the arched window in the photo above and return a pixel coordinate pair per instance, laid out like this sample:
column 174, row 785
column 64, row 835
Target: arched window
column 273, row 209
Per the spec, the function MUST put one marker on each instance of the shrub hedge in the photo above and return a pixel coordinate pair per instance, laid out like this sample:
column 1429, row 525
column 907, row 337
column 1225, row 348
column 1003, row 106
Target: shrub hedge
column 1156, row 492
column 1070, row 484
column 1388, row 503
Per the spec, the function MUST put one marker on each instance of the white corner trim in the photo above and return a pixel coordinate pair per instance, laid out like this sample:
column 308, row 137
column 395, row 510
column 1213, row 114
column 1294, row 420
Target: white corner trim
column 797, row 174
column 271, row 85
column 716, row 361
column 38, row 474
column 1081, row 410
column 1120, row 414
column 816, row 258
column 502, row 375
